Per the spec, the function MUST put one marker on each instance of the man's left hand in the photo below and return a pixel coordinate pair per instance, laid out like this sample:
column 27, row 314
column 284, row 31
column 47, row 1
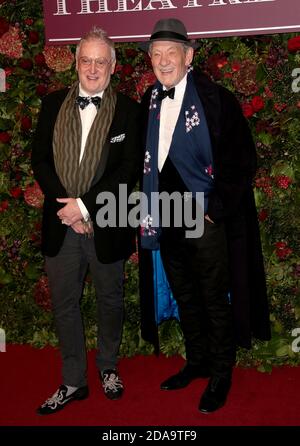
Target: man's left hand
column 70, row 213
column 209, row 219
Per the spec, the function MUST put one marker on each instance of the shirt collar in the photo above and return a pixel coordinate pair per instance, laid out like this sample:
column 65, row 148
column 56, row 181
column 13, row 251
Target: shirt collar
column 82, row 92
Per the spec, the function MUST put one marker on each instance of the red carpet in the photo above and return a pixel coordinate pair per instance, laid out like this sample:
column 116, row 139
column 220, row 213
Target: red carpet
column 28, row 376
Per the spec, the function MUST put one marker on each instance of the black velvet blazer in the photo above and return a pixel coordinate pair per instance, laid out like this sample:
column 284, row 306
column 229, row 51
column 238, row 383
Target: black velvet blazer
column 118, row 165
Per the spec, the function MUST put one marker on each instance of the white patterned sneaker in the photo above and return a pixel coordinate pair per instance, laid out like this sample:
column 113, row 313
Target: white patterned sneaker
column 60, row 398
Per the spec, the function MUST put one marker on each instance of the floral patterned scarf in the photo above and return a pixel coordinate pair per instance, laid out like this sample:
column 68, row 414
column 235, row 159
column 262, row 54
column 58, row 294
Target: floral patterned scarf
column 190, row 152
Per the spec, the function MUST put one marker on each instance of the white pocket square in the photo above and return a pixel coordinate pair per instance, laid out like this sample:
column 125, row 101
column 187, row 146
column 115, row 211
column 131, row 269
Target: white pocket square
column 117, row 138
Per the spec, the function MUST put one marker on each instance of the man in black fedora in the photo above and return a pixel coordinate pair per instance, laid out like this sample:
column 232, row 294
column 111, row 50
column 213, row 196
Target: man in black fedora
column 196, row 139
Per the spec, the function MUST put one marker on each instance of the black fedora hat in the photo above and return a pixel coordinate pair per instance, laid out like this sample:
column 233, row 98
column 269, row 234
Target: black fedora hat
column 171, row 30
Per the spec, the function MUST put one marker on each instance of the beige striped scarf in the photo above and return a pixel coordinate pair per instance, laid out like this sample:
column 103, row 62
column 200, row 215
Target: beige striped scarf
column 75, row 177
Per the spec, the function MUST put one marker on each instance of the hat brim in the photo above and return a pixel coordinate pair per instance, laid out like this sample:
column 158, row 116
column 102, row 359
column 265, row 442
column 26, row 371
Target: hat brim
column 145, row 45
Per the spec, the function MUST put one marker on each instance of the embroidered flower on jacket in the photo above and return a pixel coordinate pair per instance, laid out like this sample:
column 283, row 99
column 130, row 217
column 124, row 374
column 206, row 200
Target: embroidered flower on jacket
column 209, row 171
column 187, row 196
column 147, row 168
column 192, row 121
column 118, row 138
column 146, row 229
column 154, row 95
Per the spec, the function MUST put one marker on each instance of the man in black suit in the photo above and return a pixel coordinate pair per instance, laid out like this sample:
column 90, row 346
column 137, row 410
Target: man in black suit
column 86, row 143
column 197, row 140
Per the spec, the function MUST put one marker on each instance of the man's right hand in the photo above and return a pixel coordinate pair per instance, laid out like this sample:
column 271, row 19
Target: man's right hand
column 78, row 227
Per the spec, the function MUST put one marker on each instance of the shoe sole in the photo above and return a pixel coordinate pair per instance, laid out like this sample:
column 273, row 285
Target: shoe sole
column 207, row 412
column 114, row 397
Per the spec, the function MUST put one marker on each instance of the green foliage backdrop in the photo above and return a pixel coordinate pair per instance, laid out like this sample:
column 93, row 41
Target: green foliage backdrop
column 260, row 70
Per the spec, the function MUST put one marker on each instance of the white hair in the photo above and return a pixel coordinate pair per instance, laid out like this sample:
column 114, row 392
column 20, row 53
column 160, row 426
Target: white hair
column 97, row 34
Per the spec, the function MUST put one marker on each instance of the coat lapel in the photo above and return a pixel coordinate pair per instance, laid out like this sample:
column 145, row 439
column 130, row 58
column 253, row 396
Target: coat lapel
column 209, row 96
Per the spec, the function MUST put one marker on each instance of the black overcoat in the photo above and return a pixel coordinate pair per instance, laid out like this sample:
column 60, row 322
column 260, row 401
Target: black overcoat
column 231, row 201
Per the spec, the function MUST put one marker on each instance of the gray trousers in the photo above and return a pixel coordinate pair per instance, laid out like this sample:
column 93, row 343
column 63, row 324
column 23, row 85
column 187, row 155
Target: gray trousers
column 66, row 273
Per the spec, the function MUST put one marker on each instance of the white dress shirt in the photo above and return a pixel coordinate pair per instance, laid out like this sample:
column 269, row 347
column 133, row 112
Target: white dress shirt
column 169, row 112
column 87, row 116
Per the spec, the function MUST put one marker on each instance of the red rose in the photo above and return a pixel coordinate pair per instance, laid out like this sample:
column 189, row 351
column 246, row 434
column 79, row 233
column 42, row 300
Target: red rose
column 33, row 37
column 236, row 66
column 222, row 62
column 41, row 89
column 134, row 258
column 281, row 245
column 131, row 52
column 26, row 123
column 282, row 250
column 39, row 59
column 279, row 107
column 127, row 69
column 28, row 21
column 257, row 103
column 285, row 253
column 147, row 79
column 26, row 64
column 263, row 215
column 3, row 206
column 16, row 192
column 5, row 137
column 8, row 71
column 247, row 110
column 294, row 44
column 283, row 181
column 215, row 63
column 4, row 26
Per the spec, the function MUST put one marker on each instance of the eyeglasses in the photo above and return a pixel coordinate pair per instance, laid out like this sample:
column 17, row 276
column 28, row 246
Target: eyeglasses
column 101, row 62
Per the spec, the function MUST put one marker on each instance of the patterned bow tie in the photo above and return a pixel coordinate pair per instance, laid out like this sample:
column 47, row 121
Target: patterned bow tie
column 162, row 94
column 84, row 101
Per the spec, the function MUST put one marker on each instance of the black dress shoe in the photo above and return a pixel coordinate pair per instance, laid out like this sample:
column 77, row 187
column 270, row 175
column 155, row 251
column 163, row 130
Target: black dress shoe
column 184, row 377
column 215, row 394
column 60, row 398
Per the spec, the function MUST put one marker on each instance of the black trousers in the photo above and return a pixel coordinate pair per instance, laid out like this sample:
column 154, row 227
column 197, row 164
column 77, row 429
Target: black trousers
column 66, row 273
column 197, row 270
